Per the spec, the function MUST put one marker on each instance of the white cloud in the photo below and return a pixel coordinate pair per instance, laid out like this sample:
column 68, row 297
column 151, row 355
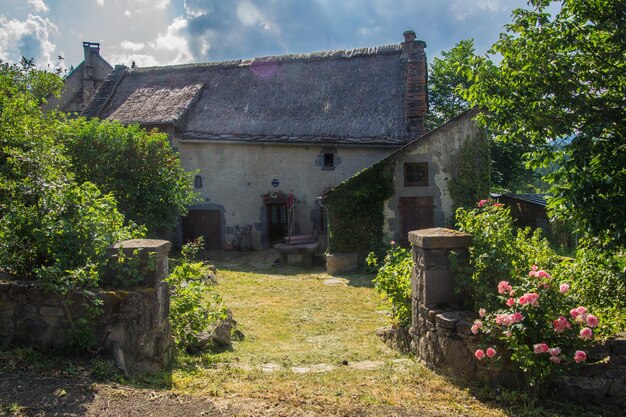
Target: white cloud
column 250, row 15
column 132, row 46
column 174, row 40
column 100, row 3
column 162, row 4
column 141, row 60
column 29, row 38
column 462, row 10
column 194, row 10
column 128, row 13
column 38, row 5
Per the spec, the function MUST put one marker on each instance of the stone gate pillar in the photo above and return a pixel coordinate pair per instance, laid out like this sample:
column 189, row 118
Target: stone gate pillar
column 432, row 282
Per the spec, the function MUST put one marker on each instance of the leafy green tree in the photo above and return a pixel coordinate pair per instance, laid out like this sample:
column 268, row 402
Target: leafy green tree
column 50, row 226
column 562, row 81
column 446, row 80
column 138, row 167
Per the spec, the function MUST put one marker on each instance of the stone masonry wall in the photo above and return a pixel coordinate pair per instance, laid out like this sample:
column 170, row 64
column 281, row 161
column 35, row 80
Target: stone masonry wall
column 440, row 334
column 133, row 326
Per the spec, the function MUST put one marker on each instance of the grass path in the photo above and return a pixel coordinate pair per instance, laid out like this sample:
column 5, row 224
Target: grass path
column 315, row 338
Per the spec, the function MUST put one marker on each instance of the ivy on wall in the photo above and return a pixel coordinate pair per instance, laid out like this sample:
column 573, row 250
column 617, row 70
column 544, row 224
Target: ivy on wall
column 355, row 209
column 472, row 180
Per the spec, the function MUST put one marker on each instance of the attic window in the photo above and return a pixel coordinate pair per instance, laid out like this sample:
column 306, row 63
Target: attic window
column 197, row 182
column 415, row 174
column 329, row 160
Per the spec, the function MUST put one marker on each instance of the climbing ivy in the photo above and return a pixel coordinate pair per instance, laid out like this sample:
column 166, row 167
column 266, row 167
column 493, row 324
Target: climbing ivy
column 355, row 209
column 472, row 179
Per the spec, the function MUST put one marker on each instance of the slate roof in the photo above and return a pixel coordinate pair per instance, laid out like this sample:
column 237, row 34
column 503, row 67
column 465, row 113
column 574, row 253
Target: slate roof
column 355, row 96
column 533, row 198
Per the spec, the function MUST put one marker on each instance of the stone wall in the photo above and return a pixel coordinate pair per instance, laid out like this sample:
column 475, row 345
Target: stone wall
column 441, row 336
column 133, row 326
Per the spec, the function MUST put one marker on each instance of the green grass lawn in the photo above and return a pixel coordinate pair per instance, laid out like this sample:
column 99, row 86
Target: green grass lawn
column 290, row 318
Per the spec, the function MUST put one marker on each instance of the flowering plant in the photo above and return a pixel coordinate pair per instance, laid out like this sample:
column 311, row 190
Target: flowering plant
column 539, row 324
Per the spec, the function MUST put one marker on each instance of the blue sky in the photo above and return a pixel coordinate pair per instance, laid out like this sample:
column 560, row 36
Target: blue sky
column 161, row 32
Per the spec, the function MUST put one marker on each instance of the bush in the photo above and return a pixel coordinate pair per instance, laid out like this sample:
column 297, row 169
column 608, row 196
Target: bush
column 393, row 281
column 540, row 324
column 531, row 312
column 194, row 305
column 501, row 251
column 138, row 167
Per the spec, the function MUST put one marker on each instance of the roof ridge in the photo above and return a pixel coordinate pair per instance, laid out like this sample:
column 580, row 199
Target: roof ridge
column 312, row 56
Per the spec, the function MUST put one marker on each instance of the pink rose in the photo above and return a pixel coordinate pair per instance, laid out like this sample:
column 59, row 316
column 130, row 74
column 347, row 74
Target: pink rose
column 504, row 287
column 555, row 359
column 482, row 203
column 543, row 274
column 573, row 312
column 586, row 333
column 564, row 288
column 491, row 352
column 516, row 317
column 477, row 326
column 592, row 321
column 479, row 354
column 561, row 324
column 540, row 348
column 510, row 302
column 554, row 351
column 482, row 312
column 533, row 271
column 529, row 299
column 508, row 333
column 498, row 204
column 581, row 310
column 580, row 356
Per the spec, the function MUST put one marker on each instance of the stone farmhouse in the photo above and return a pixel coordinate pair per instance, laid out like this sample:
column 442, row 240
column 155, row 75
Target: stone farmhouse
column 82, row 83
column 267, row 136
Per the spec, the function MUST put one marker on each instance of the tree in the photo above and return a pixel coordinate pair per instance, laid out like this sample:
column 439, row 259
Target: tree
column 50, row 226
column 562, row 81
column 138, row 167
column 446, row 80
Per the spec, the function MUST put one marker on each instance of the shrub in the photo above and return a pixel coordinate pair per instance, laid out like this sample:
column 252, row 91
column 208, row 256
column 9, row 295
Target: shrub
column 138, row 167
column 501, row 251
column 194, row 305
column 393, row 281
column 540, row 324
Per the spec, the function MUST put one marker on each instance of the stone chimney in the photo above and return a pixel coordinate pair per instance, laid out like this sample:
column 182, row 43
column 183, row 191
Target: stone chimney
column 89, row 83
column 416, row 101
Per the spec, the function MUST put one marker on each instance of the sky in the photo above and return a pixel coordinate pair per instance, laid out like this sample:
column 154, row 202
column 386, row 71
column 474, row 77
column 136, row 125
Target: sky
column 165, row 32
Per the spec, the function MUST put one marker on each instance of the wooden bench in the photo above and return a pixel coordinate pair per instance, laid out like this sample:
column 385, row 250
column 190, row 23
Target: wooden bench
column 307, row 250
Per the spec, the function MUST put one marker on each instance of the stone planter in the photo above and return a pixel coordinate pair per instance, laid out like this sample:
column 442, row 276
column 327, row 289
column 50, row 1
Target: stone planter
column 339, row 263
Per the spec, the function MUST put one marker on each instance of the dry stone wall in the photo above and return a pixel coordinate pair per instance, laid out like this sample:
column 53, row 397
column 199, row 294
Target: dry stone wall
column 133, row 322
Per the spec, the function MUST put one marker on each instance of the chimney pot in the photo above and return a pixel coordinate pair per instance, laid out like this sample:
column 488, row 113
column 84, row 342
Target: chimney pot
column 409, row 36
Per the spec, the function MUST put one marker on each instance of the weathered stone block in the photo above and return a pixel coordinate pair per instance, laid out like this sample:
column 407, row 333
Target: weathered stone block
column 153, row 261
column 618, row 345
column 32, row 329
column 439, row 289
column 447, row 320
column 439, row 238
column 49, row 311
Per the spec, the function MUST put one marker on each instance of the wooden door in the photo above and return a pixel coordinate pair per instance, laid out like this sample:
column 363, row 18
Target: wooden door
column 415, row 213
column 276, row 222
column 206, row 223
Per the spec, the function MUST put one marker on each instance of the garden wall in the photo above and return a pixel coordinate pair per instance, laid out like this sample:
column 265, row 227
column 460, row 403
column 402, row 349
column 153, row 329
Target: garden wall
column 441, row 336
column 133, row 327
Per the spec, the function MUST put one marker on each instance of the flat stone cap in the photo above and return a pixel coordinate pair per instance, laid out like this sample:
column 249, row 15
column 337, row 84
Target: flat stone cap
column 144, row 244
column 439, row 238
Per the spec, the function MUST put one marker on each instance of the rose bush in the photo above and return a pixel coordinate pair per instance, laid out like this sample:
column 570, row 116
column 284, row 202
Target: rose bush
column 541, row 327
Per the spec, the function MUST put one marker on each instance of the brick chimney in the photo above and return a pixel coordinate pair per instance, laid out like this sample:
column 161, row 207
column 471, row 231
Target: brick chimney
column 89, row 83
column 416, row 101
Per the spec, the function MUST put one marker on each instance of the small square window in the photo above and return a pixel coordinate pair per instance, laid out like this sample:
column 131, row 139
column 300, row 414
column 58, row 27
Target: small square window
column 329, row 160
column 415, row 174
